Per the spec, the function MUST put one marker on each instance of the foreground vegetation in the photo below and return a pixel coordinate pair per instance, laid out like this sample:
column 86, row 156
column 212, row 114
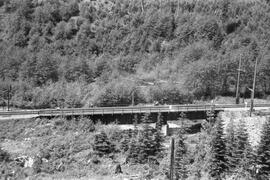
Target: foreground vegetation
column 76, row 53
column 78, row 148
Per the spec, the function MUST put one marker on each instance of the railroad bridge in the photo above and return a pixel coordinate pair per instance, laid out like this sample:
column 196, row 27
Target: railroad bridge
column 125, row 115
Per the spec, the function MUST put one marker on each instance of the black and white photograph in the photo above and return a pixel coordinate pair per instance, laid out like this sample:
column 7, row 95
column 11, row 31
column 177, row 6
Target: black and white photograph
column 134, row 89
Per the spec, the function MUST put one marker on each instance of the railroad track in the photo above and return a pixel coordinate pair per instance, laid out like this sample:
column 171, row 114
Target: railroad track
column 125, row 110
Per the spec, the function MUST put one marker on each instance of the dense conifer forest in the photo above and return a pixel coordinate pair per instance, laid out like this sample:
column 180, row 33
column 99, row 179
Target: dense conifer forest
column 75, row 53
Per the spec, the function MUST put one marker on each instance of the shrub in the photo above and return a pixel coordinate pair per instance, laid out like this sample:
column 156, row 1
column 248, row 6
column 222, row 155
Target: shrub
column 209, row 29
column 86, row 125
column 170, row 94
column 115, row 93
column 62, row 151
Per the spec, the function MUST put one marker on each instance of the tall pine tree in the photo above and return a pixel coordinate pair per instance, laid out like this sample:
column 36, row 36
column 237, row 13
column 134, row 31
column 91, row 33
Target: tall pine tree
column 146, row 144
column 158, row 138
column 202, row 151
column 146, row 140
column 135, row 122
column 243, row 151
column 159, row 122
column 183, row 122
column 133, row 151
column 263, row 152
column 217, row 164
column 230, row 146
column 210, row 116
column 180, row 161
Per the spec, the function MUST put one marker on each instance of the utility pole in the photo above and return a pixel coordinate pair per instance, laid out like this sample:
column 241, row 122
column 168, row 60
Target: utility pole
column 254, row 77
column 8, row 104
column 172, row 159
column 253, row 88
column 238, row 82
column 132, row 100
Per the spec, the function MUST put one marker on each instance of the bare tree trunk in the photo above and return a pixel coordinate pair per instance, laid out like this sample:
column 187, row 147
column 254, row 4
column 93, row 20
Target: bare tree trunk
column 130, row 5
column 142, row 5
column 171, row 4
column 178, row 8
column 160, row 6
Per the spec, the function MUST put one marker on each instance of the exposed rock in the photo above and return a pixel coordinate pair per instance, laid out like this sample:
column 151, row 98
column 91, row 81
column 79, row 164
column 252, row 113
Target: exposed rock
column 29, row 162
column 24, row 161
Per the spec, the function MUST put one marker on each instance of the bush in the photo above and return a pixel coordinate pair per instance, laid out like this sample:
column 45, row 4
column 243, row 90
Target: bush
column 86, row 125
column 62, row 151
column 114, row 94
column 170, row 94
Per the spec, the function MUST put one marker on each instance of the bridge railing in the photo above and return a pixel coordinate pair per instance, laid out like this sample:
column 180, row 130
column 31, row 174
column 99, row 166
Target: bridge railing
column 104, row 110
column 127, row 109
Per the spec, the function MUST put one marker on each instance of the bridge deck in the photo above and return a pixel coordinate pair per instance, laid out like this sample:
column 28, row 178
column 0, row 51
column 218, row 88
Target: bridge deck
column 124, row 110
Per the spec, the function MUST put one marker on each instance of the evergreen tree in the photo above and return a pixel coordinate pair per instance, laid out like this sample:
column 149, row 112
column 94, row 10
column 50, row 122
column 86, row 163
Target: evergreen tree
column 146, row 119
column 146, row 144
column 133, row 151
column 146, row 139
column 230, row 146
column 263, row 152
column 202, row 151
column 210, row 116
column 242, row 149
column 239, row 154
column 180, row 159
column 135, row 122
column 184, row 123
column 158, row 141
column 125, row 142
column 217, row 162
column 241, row 139
column 159, row 122
column 102, row 145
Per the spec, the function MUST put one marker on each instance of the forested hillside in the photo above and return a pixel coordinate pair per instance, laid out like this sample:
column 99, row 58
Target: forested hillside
column 73, row 53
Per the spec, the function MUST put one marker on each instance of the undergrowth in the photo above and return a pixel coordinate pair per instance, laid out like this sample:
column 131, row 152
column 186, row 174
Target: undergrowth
column 71, row 147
